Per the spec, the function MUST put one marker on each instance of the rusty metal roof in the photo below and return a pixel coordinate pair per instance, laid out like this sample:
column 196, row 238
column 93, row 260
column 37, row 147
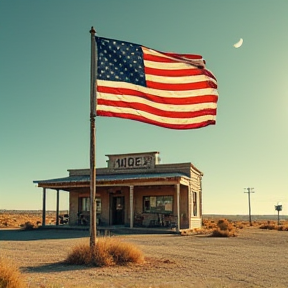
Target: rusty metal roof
column 113, row 177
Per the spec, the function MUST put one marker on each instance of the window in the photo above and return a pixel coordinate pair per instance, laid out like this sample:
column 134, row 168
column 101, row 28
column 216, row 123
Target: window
column 86, row 204
column 158, row 204
column 194, row 204
column 98, row 205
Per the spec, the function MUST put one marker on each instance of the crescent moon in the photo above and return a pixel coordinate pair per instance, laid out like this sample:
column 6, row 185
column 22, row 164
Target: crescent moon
column 239, row 43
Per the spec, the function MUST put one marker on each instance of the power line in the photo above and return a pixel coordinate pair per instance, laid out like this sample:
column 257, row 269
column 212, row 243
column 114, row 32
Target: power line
column 249, row 191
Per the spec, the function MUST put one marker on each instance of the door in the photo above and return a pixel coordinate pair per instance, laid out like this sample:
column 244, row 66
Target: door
column 118, row 210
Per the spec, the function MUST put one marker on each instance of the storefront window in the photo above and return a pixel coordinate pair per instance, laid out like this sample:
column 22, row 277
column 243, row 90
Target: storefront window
column 98, row 205
column 158, row 204
column 86, row 204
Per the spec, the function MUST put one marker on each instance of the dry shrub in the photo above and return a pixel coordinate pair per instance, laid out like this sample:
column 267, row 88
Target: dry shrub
column 187, row 232
column 272, row 225
column 195, row 231
column 10, row 277
column 268, row 226
column 242, row 224
column 28, row 226
column 239, row 226
column 224, row 229
column 224, row 224
column 202, row 231
column 209, row 224
column 223, row 233
column 107, row 252
column 283, row 228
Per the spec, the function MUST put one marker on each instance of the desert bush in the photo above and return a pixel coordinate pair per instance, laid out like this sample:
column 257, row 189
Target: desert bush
column 202, row 231
column 187, row 232
column 224, row 229
column 223, row 233
column 209, row 224
column 239, row 225
column 268, row 226
column 10, row 277
column 273, row 226
column 195, row 231
column 224, row 224
column 283, row 228
column 27, row 226
column 107, row 252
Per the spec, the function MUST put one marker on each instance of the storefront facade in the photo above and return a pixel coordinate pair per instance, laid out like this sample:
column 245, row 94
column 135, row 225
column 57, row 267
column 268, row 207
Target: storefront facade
column 135, row 190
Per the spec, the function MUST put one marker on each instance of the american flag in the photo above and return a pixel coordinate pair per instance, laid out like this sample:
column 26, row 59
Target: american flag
column 165, row 89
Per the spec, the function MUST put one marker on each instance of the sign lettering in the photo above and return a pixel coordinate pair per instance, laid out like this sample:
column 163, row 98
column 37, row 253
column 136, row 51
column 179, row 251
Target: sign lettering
column 123, row 162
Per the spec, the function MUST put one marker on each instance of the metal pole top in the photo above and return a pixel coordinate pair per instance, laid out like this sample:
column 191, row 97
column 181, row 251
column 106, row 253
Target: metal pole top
column 92, row 30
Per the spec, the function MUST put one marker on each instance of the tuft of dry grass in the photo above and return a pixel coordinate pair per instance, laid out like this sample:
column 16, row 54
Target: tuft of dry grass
column 273, row 225
column 28, row 226
column 107, row 252
column 10, row 277
column 224, row 228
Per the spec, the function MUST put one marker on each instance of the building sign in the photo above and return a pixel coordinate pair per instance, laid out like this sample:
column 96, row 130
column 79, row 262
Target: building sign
column 133, row 161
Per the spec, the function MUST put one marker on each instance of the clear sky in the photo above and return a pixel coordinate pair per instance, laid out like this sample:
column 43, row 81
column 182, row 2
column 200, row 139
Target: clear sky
column 45, row 91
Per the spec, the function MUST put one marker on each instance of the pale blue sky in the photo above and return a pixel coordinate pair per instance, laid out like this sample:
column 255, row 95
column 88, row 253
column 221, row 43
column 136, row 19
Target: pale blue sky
column 45, row 90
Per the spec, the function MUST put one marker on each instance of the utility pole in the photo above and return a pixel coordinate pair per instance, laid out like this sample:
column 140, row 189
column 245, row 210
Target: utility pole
column 249, row 191
column 278, row 208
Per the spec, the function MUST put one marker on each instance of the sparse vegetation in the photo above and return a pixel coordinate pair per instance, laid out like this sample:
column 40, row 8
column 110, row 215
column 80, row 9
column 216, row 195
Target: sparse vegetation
column 28, row 226
column 41, row 254
column 221, row 228
column 16, row 219
column 10, row 277
column 224, row 228
column 273, row 225
column 108, row 252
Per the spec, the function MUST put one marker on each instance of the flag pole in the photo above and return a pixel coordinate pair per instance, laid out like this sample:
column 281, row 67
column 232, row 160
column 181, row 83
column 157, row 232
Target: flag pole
column 92, row 141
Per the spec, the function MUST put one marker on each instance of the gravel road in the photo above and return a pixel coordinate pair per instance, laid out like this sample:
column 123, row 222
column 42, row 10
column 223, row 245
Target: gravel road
column 256, row 258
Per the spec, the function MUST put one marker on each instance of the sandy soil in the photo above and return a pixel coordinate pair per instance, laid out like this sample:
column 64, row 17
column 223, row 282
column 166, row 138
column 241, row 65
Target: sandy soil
column 256, row 258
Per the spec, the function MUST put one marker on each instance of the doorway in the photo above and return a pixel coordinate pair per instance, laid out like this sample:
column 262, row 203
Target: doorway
column 118, row 210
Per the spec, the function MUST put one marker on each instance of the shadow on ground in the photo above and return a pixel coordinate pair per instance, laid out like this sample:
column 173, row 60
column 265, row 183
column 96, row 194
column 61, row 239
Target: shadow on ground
column 54, row 267
column 40, row 234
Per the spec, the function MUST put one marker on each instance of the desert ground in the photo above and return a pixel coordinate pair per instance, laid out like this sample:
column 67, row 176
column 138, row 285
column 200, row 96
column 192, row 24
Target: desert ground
column 255, row 258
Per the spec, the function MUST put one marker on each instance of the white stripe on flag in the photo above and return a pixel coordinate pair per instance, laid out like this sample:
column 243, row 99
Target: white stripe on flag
column 160, row 93
column 160, row 119
column 164, row 107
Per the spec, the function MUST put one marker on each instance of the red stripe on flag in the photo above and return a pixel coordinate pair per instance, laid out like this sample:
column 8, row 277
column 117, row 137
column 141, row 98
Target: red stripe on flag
column 181, row 86
column 156, row 58
column 189, row 56
column 175, row 73
column 178, row 72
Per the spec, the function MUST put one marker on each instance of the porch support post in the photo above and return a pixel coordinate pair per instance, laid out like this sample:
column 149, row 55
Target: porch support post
column 178, row 206
column 131, row 206
column 189, row 204
column 57, row 208
column 44, row 208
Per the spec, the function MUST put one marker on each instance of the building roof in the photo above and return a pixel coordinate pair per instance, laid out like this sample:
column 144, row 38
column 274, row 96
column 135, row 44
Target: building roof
column 111, row 178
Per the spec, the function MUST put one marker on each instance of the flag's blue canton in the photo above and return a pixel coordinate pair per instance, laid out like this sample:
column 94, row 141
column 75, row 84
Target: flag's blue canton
column 120, row 61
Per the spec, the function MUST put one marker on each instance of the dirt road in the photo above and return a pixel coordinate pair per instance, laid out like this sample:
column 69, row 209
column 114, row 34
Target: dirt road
column 256, row 258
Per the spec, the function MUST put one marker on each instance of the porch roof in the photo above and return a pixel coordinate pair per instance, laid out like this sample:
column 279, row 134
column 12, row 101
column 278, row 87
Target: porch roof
column 109, row 178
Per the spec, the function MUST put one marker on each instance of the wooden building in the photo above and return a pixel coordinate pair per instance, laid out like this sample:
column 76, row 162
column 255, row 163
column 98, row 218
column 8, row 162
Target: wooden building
column 134, row 190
